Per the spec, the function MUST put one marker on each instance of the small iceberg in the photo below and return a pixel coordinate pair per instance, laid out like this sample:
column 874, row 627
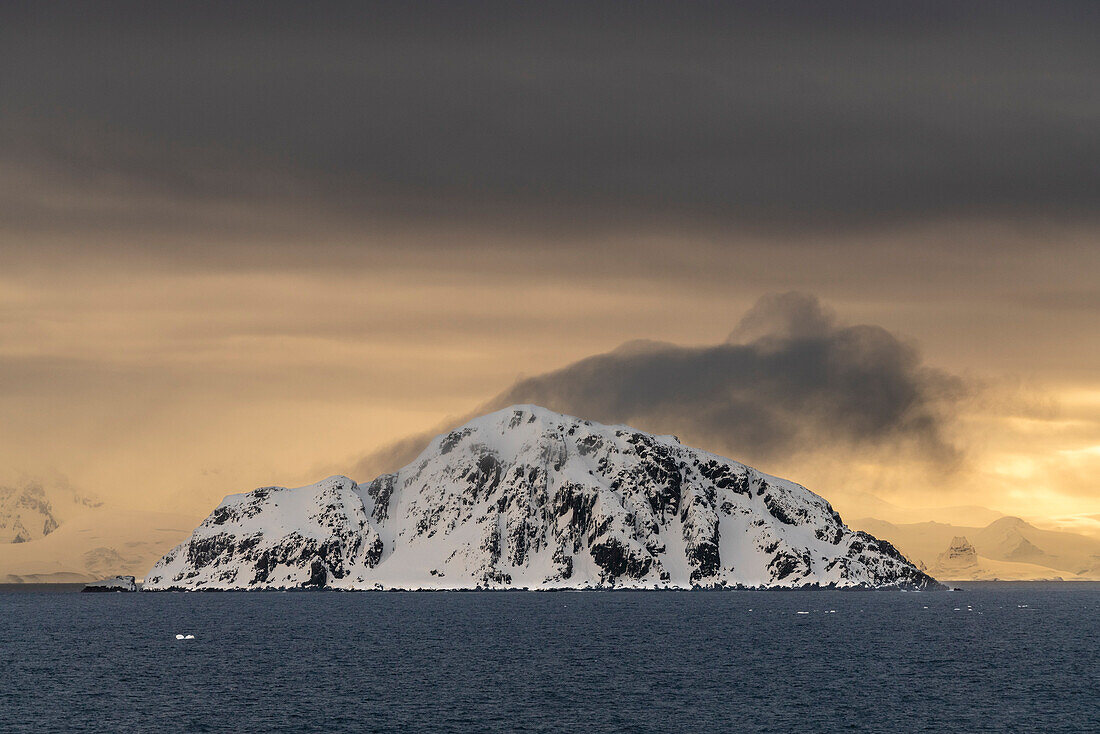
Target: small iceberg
column 185, row 637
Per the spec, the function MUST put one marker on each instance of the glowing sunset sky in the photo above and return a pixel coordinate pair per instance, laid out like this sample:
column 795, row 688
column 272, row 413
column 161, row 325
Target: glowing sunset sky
column 240, row 248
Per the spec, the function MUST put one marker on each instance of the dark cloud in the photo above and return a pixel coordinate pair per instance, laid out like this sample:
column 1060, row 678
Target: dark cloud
column 772, row 113
column 802, row 382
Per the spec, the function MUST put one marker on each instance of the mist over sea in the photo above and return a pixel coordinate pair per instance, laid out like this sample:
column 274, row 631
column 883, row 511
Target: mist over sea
column 993, row 657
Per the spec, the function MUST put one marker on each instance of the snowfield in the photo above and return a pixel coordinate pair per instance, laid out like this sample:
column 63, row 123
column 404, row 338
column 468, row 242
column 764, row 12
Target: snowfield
column 528, row 498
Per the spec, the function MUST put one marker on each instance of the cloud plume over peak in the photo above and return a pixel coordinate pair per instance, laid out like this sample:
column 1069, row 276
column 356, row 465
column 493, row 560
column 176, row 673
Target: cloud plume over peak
column 791, row 380
column 790, row 315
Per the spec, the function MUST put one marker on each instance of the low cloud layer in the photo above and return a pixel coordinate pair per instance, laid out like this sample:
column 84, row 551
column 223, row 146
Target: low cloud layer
column 791, row 380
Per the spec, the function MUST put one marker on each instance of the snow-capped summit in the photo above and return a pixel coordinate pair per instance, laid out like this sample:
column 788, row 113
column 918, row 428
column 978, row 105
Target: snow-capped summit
column 528, row 498
column 25, row 513
column 960, row 554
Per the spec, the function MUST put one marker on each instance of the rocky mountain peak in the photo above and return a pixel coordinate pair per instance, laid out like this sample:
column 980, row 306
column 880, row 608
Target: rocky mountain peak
column 525, row 497
column 25, row 513
column 959, row 554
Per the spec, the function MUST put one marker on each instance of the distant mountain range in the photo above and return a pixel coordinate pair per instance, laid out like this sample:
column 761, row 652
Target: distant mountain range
column 30, row 510
column 862, row 504
column 50, row 533
column 1008, row 548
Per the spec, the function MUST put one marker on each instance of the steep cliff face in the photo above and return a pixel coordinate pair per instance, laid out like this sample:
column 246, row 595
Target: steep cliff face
column 525, row 497
column 960, row 555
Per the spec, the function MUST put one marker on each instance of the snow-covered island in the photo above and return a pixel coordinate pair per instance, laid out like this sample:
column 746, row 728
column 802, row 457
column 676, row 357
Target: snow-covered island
column 529, row 498
column 115, row 583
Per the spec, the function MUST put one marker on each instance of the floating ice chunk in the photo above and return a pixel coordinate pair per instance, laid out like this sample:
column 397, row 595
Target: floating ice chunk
column 801, row 612
column 185, row 637
column 179, row 637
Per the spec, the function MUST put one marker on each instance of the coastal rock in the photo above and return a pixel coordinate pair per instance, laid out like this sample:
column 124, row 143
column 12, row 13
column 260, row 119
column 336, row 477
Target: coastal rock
column 115, row 583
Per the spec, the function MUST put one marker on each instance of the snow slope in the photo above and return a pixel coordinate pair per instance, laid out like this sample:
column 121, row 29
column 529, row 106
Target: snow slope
column 528, row 498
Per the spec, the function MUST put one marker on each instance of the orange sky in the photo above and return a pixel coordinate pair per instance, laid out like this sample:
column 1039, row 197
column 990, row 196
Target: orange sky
column 166, row 389
column 247, row 249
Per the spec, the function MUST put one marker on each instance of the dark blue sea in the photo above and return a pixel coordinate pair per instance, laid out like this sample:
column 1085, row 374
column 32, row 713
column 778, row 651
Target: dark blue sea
column 994, row 657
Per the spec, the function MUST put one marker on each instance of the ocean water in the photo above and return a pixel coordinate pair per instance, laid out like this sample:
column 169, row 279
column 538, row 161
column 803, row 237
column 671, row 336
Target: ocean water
column 993, row 657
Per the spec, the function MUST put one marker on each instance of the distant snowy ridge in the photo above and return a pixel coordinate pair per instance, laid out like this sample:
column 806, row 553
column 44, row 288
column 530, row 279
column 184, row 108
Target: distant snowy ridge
column 528, row 498
column 25, row 513
column 31, row 510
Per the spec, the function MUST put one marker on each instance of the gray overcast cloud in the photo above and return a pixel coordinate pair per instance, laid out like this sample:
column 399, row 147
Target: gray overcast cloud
column 790, row 379
column 774, row 114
